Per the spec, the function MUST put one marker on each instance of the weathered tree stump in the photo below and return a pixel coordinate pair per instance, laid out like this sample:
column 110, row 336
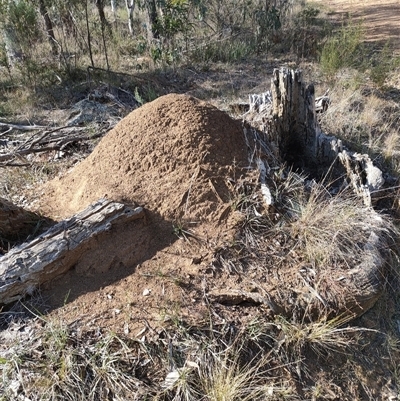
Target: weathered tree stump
column 294, row 122
column 296, row 132
column 66, row 244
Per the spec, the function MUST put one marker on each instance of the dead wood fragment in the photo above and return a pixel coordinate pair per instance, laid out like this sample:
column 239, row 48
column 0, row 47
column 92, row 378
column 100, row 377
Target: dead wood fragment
column 236, row 297
column 56, row 139
column 54, row 252
column 21, row 127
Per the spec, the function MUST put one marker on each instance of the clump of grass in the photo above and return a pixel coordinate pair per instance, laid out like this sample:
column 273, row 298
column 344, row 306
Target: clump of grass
column 226, row 51
column 382, row 64
column 57, row 363
column 325, row 335
column 344, row 49
column 365, row 118
column 226, row 367
column 332, row 229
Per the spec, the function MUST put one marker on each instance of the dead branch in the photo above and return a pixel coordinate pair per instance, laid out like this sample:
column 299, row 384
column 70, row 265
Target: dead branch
column 22, row 127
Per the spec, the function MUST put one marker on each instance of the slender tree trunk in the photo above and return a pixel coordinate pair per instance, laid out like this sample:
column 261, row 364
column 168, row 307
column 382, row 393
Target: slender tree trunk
column 103, row 20
column 12, row 46
column 89, row 39
column 49, row 27
column 130, row 7
column 104, row 25
column 152, row 29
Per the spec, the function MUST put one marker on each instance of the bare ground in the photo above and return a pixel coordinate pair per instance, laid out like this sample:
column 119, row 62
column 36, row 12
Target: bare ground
column 381, row 19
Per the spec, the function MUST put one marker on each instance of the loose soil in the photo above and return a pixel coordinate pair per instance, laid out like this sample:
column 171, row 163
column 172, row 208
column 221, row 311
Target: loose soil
column 177, row 157
column 172, row 155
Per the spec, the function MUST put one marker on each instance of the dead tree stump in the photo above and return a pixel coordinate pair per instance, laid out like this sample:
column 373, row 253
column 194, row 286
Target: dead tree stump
column 294, row 124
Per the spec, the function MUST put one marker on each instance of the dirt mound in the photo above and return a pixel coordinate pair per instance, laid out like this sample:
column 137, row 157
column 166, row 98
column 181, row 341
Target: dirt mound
column 172, row 155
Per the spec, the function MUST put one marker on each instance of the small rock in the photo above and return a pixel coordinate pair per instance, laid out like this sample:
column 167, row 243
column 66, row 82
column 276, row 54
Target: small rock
column 15, row 387
column 146, row 292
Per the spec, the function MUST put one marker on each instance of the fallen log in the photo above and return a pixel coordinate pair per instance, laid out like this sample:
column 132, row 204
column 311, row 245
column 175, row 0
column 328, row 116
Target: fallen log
column 60, row 248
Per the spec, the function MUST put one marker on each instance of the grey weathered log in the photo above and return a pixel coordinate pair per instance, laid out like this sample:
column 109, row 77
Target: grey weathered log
column 365, row 178
column 54, row 252
column 21, row 127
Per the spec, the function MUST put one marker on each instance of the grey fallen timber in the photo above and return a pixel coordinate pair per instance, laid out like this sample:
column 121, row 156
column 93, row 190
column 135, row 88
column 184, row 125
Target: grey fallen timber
column 57, row 250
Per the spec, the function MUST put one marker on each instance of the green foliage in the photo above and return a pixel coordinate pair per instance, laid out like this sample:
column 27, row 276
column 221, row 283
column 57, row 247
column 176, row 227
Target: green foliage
column 382, row 64
column 145, row 94
column 23, row 19
column 345, row 49
column 306, row 32
column 267, row 21
column 3, row 56
column 174, row 18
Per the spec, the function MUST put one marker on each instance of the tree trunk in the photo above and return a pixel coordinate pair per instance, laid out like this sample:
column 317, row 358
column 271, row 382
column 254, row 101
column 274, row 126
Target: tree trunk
column 294, row 122
column 103, row 20
column 104, row 26
column 89, row 38
column 49, row 27
column 12, row 46
column 130, row 7
column 152, row 26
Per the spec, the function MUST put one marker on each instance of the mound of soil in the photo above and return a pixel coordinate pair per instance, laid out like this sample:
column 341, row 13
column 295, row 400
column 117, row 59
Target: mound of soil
column 173, row 156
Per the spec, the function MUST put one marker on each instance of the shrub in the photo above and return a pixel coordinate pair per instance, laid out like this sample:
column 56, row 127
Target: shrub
column 345, row 49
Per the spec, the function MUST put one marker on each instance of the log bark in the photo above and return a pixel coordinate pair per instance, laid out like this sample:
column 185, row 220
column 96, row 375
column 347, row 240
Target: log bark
column 54, row 252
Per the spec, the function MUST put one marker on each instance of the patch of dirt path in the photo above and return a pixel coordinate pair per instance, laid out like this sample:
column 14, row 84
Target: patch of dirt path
column 381, row 19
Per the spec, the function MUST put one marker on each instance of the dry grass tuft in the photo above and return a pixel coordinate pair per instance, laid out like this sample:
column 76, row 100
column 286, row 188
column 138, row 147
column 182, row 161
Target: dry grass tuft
column 333, row 230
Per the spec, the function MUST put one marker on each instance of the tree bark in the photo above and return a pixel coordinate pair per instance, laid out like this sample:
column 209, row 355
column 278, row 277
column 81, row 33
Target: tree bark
column 89, row 38
column 130, row 7
column 294, row 122
column 49, row 26
column 103, row 20
column 152, row 28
